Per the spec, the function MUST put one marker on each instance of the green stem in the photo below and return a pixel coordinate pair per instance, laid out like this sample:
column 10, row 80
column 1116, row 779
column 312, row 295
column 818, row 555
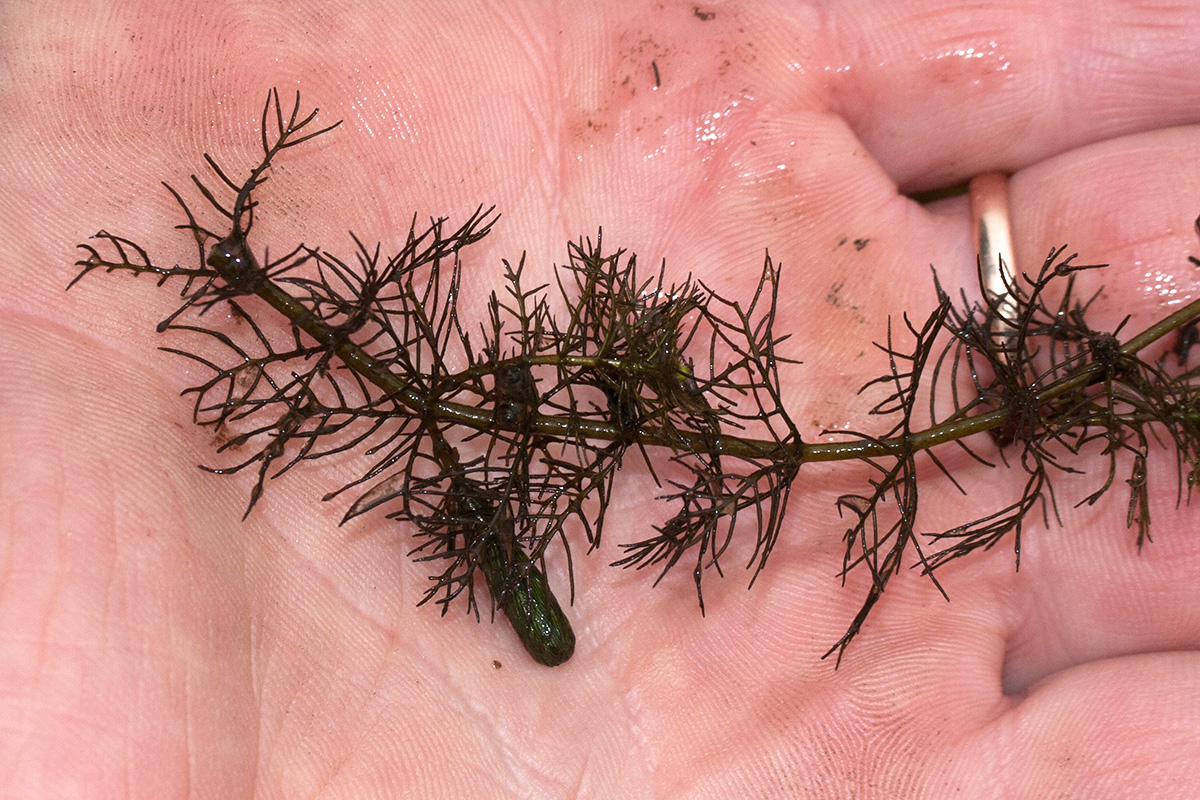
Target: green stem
column 739, row 447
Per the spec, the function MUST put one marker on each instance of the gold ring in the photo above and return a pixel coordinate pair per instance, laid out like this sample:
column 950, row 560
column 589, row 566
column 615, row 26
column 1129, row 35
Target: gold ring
column 992, row 237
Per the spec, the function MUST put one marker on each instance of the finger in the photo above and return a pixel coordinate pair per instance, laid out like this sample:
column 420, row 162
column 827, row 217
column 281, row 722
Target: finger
column 941, row 91
column 1085, row 591
column 1125, row 728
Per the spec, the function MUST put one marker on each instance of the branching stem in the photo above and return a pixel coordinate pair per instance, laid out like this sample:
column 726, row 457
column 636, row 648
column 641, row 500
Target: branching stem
column 546, row 409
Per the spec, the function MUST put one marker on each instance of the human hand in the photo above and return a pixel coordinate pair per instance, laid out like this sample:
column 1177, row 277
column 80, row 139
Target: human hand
column 154, row 645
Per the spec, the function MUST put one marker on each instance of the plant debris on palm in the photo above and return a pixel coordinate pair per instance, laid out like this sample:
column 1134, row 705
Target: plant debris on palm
column 500, row 441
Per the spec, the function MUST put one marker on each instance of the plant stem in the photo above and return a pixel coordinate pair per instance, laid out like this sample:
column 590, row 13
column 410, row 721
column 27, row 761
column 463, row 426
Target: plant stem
column 557, row 426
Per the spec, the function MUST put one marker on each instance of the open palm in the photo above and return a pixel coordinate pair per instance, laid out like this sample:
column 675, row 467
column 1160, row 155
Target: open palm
column 153, row 645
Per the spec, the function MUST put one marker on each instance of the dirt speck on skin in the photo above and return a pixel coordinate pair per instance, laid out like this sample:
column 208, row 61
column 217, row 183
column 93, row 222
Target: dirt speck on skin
column 835, row 299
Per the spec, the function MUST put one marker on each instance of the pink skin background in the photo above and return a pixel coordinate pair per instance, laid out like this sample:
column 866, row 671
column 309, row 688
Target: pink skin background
column 152, row 645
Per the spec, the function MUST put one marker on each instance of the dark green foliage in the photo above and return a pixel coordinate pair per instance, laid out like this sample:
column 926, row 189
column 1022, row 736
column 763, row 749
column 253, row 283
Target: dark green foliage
column 495, row 450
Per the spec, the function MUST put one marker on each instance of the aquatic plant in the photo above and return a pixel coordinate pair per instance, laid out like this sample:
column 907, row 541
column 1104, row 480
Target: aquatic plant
column 497, row 448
